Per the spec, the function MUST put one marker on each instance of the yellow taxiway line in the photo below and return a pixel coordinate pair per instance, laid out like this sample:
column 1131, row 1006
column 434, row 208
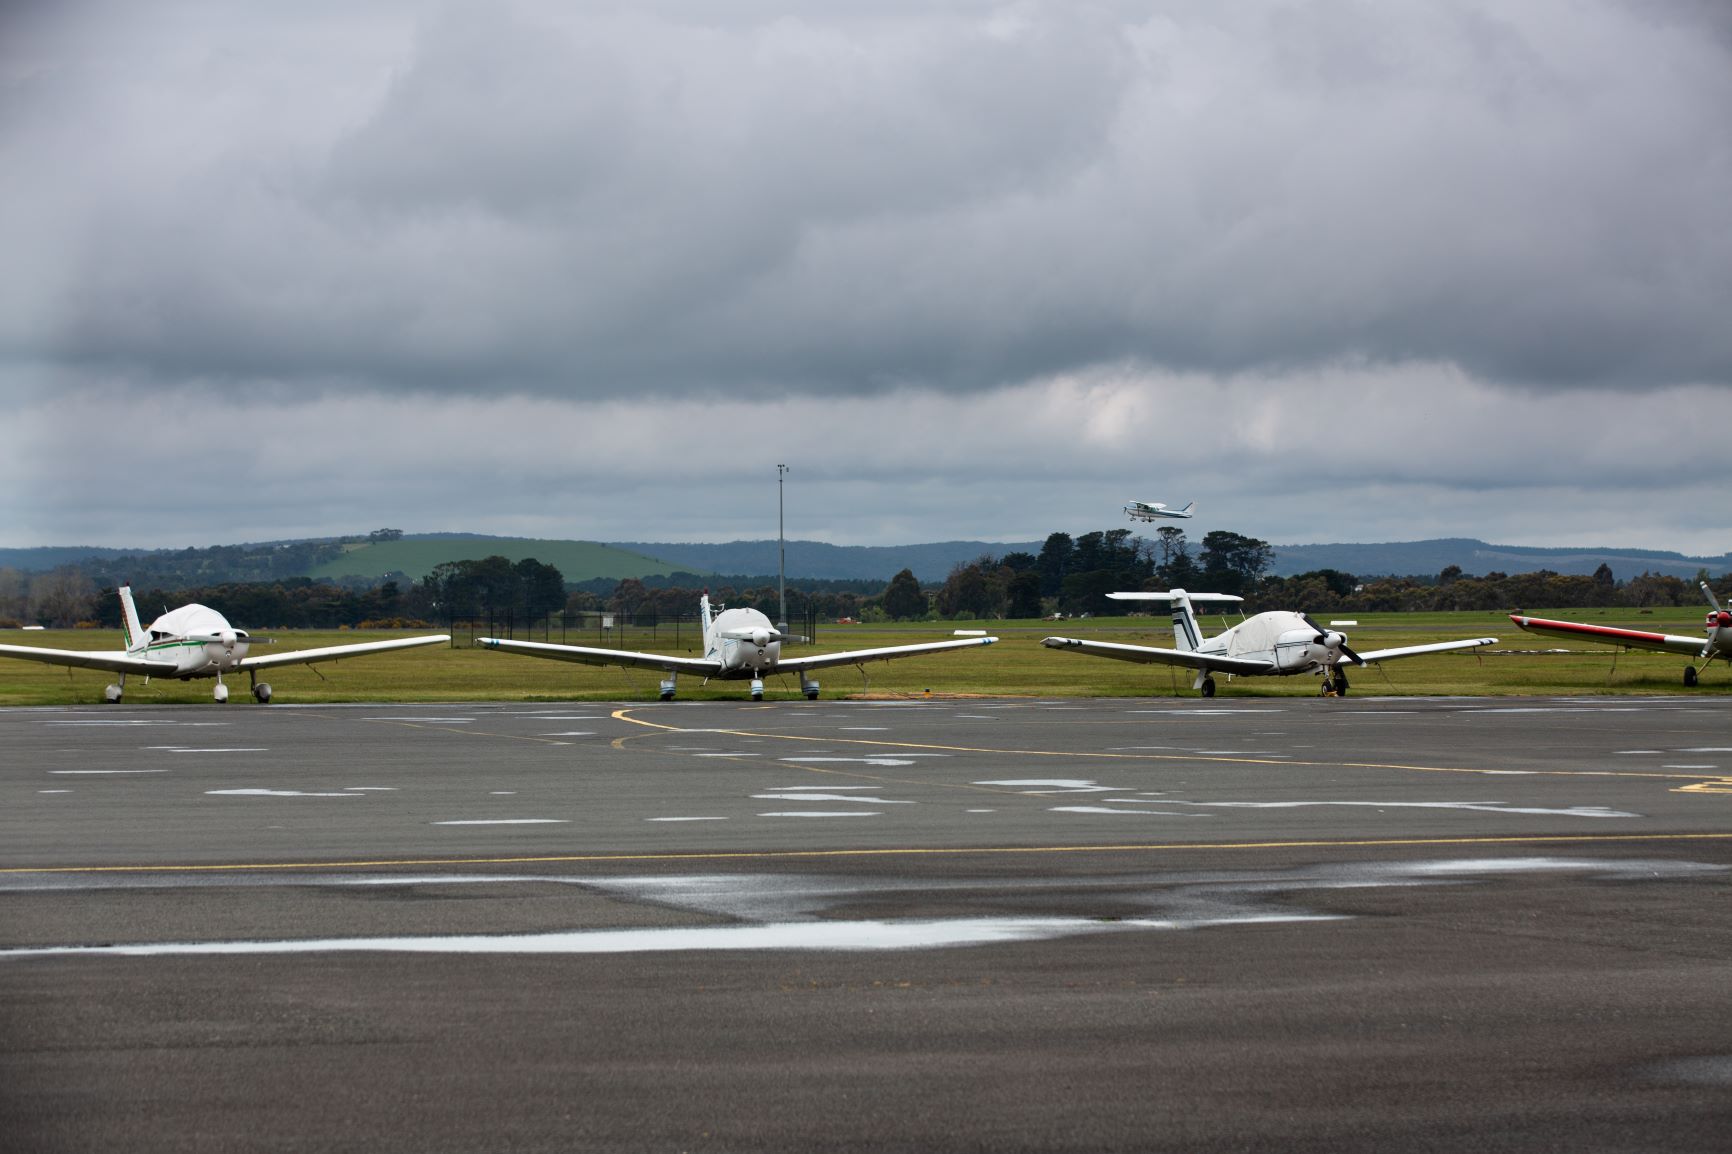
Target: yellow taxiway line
column 904, row 851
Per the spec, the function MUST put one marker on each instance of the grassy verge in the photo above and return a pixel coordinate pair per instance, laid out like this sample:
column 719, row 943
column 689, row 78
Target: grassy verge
column 1018, row 665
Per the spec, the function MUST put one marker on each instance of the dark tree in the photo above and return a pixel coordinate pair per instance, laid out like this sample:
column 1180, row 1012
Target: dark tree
column 967, row 593
column 1054, row 562
column 903, row 600
column 1232, row 563
column 1022, row 595
column 540, row 588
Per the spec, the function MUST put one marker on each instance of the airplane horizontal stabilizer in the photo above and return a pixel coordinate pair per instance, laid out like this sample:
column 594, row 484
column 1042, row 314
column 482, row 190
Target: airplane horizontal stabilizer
column 1193, row 598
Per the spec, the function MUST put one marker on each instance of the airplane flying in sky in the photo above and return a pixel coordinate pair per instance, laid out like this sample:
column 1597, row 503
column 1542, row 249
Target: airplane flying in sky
column 1154, row 510
column 1273, row 644
column 1718, row 642
column 195, row 641
column 739, row 644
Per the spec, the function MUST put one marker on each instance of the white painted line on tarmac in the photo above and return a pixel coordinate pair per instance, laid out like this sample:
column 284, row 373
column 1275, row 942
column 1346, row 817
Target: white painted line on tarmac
column 912, row 934
column 277, row 793
column 825, row 813
column 203, row 749
column 1109, row 809
column 1478, row 806
column 868, row 799
column 506, row 821
column 94, row 772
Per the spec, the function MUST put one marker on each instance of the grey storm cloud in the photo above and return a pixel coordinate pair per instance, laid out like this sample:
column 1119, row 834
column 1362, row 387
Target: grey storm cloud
column 593, row 201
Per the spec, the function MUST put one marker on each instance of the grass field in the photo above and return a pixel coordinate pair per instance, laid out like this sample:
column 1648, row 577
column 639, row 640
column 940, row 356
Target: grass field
column 1018, row 665
column 577, row 560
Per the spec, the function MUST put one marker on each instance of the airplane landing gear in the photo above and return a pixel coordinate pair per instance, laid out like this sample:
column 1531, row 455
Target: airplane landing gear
column 1208, row 687
column 1336, row 685
column 1690, row 675
column 757, row 689
column 262, row 693
column 809, row 688
column 113, row 692
column 668, row 689
column 222, row 691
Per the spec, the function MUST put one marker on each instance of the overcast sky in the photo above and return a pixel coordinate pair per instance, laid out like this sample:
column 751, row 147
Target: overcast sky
column 1337, row 272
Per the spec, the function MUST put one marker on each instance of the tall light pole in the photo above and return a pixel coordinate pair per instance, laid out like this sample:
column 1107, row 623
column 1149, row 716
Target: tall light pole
column 781, row 557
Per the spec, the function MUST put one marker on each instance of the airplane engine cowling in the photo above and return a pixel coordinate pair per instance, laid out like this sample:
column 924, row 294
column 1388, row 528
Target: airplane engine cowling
column 1298, row 649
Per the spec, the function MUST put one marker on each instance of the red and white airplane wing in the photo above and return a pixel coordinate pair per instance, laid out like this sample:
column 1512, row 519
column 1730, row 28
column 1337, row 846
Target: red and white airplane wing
column 1608, row 635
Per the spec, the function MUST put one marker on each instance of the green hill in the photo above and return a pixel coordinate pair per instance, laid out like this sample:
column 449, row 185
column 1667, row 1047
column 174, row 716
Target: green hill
column 417, row 556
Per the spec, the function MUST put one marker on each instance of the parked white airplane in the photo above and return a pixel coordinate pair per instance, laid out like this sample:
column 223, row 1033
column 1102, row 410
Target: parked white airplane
column 1277, row 643
column 1154, row 510
column 1717, row 644
column 738, row 644
column 195, row 641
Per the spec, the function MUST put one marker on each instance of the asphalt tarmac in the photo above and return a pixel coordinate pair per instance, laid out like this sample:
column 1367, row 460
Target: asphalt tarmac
column 1236, row 924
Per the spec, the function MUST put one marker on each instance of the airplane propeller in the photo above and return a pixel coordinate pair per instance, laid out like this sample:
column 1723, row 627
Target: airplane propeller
column 1323, row 636
column 1724, row 617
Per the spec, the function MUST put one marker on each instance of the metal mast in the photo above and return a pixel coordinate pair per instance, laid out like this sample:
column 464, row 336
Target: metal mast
column 781, row 557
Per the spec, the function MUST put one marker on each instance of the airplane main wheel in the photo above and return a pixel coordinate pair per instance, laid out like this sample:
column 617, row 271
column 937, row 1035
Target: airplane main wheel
column 262, row 692
column 667, row 697
column 812, row 696
column 1208, row 687
column 111, row 694
column 1689, row 675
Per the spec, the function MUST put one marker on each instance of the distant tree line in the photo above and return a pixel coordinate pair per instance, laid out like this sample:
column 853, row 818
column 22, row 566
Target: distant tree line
column 1069, row 575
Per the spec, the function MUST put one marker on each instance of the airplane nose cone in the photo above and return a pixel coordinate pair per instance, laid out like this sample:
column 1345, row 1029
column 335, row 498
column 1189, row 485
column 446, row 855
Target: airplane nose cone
column 227, row 637
column 760, row 637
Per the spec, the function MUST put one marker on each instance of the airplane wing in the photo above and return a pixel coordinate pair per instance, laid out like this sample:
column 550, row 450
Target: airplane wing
column 1416, row 650
column 1606, row 635
column 89, row 659
column 1149, row 655
column 886, row 653
column 584, row 655
column 338, row 652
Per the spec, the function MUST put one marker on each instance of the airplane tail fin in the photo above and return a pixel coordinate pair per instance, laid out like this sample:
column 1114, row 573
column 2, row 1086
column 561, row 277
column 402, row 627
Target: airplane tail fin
column 1186, row 635
column 705, row 617
column 136, row 638
column 1186, row 511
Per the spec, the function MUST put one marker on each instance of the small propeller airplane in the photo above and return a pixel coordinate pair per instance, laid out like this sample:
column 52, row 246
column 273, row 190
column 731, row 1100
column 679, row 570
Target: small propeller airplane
column 1154, row 510
column 1276, row 643
column 195, row 641
column 1718, row 642
column 739, row 644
